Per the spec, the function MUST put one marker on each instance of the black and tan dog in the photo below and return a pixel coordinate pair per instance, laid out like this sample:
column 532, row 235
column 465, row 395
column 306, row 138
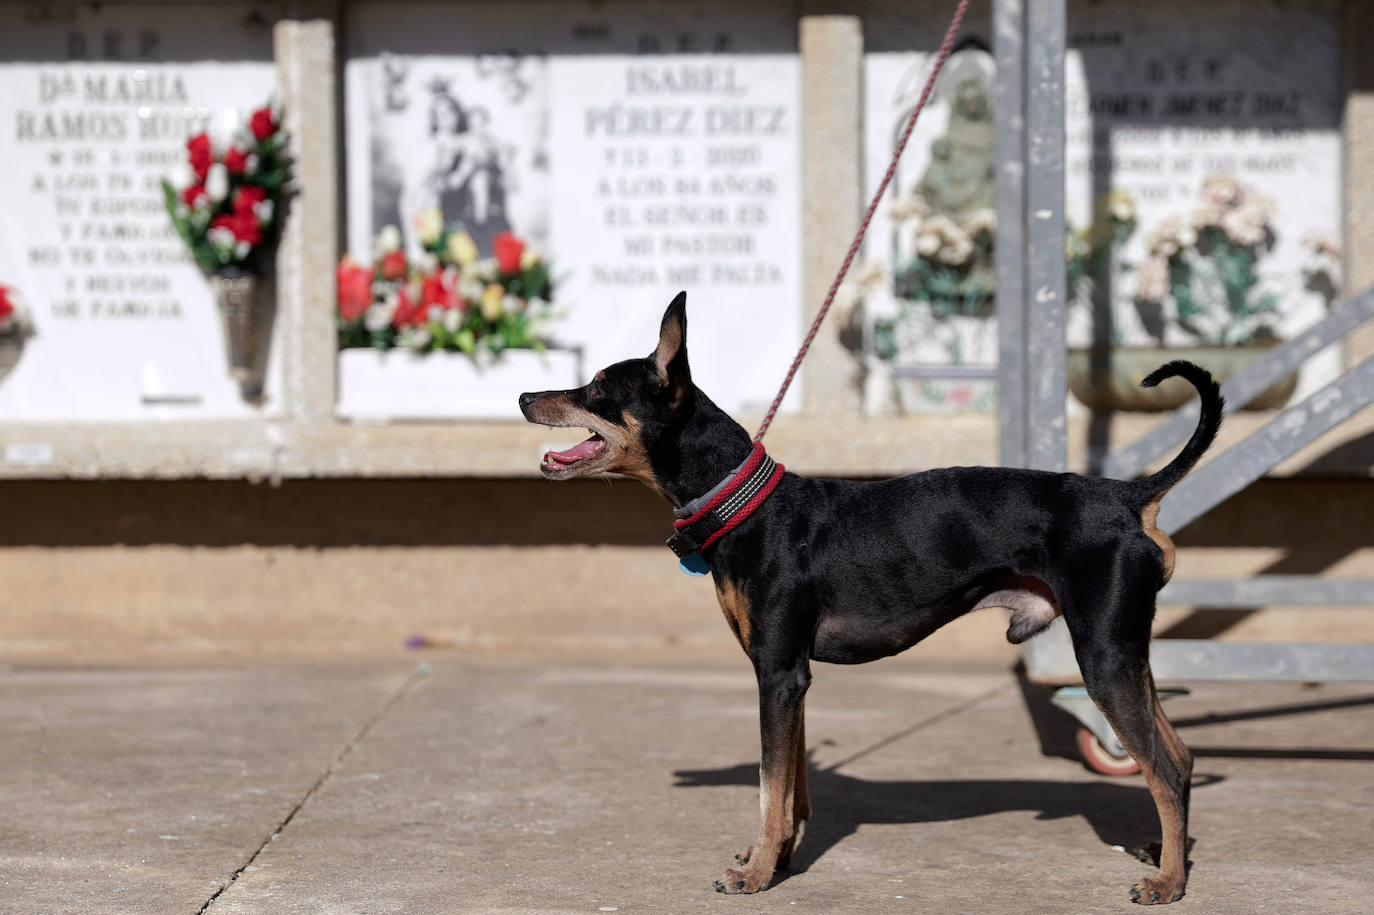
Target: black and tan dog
column 848, row 572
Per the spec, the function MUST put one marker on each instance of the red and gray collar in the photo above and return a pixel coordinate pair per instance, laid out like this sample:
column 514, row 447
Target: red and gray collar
column 705, row 520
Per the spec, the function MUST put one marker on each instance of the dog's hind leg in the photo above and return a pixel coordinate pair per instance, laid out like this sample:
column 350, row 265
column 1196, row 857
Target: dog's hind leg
column 1111, row 642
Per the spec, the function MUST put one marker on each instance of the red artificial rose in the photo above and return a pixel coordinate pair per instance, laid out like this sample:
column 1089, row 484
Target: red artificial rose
column 508, row 250
column 355, row 290
column 407, row 312
column 262, row 124
column 6, row 306
column 247, row 197
column 201, row 157
column 394, row 266
column 245, row 226
column 440, row 290
column 194, row 195
column 235, row 161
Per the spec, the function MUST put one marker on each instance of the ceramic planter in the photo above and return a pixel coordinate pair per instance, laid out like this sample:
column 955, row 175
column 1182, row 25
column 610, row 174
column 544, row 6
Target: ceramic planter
column 1104, row 378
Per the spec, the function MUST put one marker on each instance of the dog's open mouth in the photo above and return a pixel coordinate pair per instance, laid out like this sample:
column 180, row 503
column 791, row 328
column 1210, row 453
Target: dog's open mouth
column 583, row 451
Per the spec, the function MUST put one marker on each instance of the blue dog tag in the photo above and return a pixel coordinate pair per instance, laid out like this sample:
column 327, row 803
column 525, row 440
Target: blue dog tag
column 695, row 564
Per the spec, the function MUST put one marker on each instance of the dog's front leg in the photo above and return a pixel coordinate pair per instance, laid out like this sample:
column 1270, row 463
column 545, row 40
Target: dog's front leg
column 781, row 690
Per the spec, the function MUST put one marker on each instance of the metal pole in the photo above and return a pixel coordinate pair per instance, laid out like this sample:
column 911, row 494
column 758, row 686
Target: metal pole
column 1013, row 384
column 1045, row 274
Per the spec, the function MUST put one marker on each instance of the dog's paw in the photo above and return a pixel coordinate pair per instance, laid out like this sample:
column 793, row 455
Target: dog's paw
column 746, row 880
column 1156, row 891
column 744, row 856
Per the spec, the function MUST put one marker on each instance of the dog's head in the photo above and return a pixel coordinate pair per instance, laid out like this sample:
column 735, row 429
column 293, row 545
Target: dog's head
column 624, row 407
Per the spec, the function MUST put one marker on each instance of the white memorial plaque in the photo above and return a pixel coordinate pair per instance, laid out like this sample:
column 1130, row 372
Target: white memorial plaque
column 645, row 148
column 96, row 103
column 1159, row 98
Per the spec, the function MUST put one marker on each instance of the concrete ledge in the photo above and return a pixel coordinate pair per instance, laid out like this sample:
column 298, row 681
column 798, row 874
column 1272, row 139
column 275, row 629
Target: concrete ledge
column 847, row 446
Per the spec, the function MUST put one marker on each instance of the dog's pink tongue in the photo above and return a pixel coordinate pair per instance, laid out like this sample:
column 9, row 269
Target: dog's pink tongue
column 576, row 452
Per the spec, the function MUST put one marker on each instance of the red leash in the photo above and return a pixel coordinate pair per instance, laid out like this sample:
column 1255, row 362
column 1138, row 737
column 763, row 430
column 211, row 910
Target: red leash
column 940, row 59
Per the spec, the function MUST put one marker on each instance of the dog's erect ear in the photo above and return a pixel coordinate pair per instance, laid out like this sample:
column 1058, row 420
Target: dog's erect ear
column 671, row 354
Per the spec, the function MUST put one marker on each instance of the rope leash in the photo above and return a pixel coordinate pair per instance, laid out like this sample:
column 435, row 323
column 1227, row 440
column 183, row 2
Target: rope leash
column 940, row 59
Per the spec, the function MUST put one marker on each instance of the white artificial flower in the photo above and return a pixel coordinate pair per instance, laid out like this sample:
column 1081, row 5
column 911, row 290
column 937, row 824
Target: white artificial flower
column 263, row 210
column 537, row 304
column 1207, row 216
column 957, row 251
column 223, row 129
column 452, row 319
column 217, row 182
column 181, row 177
column 250, row 163
column 471, row 289
column 981, row 220
column 221, row 238
column 927, row 244
column 378, row 317
column 528, row 258
column 242, row 249
column 1162, row 240
column 1152, row 279
column 419, row 338
column 1244, row 226
column 1322, row 245
column 512, row 303
column 1121, row 206
column 388, row 240
column 489, row 269
column 913, row 206
column 1221, row 191
column 427, row 262
column 434, row 313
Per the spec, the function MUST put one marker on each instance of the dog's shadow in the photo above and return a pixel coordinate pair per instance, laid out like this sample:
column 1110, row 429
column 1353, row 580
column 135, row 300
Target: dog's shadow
column 1120, row 813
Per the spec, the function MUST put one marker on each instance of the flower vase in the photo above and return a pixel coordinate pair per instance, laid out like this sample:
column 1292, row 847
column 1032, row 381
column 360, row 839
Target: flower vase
column 246, row 315
column 11, row 348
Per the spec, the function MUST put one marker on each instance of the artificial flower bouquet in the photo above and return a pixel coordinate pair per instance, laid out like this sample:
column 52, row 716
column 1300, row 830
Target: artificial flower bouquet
column 226, row 199
column 1206, row 264
column 450, row 297
column 951, row 268
column 15, row 323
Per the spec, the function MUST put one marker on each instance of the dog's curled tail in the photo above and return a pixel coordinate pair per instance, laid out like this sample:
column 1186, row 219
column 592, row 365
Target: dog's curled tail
column 1152, row 487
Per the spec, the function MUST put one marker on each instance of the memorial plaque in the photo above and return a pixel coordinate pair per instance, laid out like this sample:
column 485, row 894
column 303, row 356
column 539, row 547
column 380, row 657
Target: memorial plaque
column 1210, row 130
column 646, row 148
column 96, row 103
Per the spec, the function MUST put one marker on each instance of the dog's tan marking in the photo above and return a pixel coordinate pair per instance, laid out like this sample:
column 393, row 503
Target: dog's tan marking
column 1148, row 516
column 634, row 460
column 736, row 609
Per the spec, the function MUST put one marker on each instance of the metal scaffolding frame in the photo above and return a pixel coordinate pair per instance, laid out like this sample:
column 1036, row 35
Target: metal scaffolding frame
column 1029, row 45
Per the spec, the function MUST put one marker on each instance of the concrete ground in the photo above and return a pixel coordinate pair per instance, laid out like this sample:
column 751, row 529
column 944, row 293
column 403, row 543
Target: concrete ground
column 584, row 785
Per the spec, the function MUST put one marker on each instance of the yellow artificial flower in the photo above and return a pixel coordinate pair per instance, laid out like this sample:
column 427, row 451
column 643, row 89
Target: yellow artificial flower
column 491, row 302
column 462, row 248
column 430, row 225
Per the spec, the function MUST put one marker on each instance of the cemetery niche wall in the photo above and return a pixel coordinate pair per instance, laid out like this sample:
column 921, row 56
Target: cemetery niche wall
column 627, row 151
column 1203, row 181
column 97, row 103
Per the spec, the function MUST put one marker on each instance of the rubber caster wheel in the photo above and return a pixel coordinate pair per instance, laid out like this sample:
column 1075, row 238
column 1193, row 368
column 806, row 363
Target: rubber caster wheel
column 1096, row 757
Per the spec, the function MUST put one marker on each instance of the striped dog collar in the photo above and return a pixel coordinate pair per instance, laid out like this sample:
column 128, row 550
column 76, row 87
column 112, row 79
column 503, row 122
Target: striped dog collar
column 705, row 520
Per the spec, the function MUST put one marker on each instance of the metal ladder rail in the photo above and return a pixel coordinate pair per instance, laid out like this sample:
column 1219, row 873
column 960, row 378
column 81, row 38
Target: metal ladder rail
column 1029, row 49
